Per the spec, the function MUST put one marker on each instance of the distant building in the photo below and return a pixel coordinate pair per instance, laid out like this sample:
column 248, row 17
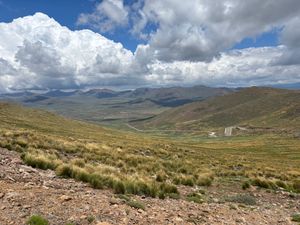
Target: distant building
column 228, row 130
column 212, row 134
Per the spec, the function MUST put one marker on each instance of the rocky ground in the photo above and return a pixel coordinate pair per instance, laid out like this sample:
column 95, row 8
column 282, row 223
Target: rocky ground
column 25, row 191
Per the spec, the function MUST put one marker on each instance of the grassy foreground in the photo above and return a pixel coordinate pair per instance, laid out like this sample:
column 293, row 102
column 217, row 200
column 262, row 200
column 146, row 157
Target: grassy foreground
column 131, row 163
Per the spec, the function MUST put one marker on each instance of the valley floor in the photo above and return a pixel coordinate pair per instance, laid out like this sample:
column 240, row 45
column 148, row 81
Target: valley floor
column 25, row 191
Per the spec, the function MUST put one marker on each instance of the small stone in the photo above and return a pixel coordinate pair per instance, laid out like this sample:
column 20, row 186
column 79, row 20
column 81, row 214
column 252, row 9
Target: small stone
column 1, row 195
column 240, row 220
column 140, row 210
column 103, row 223
column 215, row 200
column 178, row 219
column 23, row 215
column 3, row 207
column 26, row 207
column 113, row 201
column 65, row 198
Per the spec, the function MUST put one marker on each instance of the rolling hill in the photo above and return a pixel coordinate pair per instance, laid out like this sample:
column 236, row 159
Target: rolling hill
column 255, row 106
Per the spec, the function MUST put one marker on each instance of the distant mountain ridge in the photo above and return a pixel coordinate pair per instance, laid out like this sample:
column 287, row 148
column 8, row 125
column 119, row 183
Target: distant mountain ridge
column 109, row 107
column 169, row 97
column 258, row 106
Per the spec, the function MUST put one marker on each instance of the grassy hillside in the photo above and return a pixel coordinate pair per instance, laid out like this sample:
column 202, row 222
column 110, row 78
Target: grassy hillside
column 262, row 107
column 137, row 164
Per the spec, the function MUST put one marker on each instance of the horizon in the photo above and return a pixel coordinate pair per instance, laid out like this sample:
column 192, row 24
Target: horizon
column 133, row 44
column 284, row 86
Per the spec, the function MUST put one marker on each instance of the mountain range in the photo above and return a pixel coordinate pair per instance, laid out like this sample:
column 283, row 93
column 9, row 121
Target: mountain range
column 115, row 107
column 250, row 107
column 174, row 108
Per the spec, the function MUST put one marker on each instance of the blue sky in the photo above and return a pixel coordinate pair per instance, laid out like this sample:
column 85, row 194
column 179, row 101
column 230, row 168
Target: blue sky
column 265, row 39
column 164, row 43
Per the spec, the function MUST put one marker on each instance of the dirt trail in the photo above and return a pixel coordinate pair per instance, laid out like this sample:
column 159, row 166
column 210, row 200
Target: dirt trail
column 25, row 191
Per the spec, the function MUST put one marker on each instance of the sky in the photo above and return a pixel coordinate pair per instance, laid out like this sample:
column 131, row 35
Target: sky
column 82, row 44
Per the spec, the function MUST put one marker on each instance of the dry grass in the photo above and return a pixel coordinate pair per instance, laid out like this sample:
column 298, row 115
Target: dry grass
column 138, row 164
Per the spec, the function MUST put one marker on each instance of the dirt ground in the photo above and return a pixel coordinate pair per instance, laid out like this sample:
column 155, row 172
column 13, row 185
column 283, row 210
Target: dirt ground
column 25, row 191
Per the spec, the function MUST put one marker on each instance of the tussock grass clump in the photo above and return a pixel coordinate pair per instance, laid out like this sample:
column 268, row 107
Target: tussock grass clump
column 292, row 186
column 263, row 183
column 64, row 170
column 37, row 220
column 119, row 187
column 169, row 188
column 40, row 161
column 184, row 180
column 22, row 142
column 205, row 179
column 78, row 162
column 281, row 184
column 161, row 177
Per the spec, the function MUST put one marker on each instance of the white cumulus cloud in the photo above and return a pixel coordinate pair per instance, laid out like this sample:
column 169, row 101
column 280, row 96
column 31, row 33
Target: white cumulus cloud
column 53, row 56
column 198, row 30
column 107, row 15
column 36, row 52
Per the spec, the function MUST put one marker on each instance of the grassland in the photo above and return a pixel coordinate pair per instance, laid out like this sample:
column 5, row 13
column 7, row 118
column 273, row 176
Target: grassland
column 131, row 163
column 251, row 107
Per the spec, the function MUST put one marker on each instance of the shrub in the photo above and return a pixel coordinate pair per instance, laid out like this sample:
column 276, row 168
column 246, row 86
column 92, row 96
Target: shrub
column 177, row 180
column 136, row 204
column 296, row 217
column 90, row 219
column 132, row 203
column 182, row 170
column 161, row 195
column 173, row 195
column 124, row 197
column 244, row 199
column 246, row 185
column 160, row 177
column 296, row 185
column 194, row 197
column 37, row 220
